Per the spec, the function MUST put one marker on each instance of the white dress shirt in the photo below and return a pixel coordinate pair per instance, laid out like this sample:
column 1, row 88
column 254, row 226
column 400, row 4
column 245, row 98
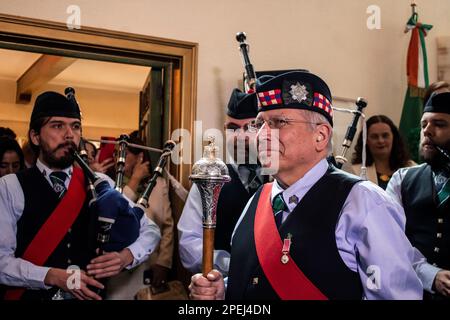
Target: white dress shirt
column 190, row 229
column 18, row 272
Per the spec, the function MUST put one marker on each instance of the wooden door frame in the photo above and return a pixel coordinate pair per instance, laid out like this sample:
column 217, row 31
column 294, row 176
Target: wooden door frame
column 35, row 35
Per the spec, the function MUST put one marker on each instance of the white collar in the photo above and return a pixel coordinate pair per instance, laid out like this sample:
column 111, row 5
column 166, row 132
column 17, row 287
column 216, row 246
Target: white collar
column 46, row 171
column 299, row 188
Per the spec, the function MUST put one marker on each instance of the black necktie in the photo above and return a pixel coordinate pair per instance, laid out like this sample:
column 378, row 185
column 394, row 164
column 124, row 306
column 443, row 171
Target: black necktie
column 58, row 179
column 253, row 182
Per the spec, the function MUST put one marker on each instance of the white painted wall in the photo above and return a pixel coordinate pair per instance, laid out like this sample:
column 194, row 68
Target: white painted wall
column 327, row 37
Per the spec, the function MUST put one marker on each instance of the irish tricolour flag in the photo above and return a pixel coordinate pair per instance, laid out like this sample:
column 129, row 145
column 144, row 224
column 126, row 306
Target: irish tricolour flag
column 417, row 71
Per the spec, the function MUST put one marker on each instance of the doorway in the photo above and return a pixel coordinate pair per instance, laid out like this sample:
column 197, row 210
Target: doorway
column 169, row 96
column 176, row 61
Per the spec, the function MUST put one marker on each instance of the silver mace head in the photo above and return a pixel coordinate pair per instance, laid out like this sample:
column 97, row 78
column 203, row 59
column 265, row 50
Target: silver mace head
column 209, row 174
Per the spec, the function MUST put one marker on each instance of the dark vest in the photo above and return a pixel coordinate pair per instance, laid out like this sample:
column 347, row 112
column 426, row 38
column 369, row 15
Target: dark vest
column 312, row 226
column 232, row 200
column 76, row 248
column 427, row 227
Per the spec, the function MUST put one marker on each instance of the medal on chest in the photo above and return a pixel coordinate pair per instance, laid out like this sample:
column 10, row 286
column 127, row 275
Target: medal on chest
column 286, row 248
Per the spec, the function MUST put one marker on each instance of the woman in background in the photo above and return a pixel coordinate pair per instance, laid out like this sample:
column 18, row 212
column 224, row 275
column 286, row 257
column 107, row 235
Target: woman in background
column 93, row 158
column 385, row 151
column 11, row 157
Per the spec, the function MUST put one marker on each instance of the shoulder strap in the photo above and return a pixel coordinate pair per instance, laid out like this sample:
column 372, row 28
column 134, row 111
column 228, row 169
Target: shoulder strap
column 288, row 281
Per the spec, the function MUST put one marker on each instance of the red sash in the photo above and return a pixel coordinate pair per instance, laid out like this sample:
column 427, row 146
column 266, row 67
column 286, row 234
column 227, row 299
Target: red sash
column 55, row 227
column 287, row 280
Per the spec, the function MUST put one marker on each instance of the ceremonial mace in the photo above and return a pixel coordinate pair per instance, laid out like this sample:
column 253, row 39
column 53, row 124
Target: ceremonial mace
column 209, row 174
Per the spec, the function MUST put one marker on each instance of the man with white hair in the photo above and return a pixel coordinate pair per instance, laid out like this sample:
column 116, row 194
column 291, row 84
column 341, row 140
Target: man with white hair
column 316, row 232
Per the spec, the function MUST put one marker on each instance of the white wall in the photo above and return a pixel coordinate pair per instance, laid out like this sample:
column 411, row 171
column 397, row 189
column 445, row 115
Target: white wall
column 328, row 37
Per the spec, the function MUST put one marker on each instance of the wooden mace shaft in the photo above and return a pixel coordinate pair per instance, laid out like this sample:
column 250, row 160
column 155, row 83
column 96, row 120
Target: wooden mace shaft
column 208, row 250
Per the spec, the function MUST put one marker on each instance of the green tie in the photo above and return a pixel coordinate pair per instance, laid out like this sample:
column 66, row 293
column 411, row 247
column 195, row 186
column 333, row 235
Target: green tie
column 444, row 194
column 278, row 206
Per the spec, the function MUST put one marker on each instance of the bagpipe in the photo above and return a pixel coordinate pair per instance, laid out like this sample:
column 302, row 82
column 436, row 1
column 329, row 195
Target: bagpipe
column 123, row 143
column 118, row 222
column 250, row 75
column 445, row 157
column 340, row 160
column 158, row 171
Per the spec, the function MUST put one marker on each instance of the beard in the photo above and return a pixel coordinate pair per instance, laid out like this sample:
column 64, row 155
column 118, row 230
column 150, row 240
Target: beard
column 434, row 157
column 63, row 162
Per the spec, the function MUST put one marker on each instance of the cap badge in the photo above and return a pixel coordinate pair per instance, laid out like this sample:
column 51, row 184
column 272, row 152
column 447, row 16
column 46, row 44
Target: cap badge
column 298, row 92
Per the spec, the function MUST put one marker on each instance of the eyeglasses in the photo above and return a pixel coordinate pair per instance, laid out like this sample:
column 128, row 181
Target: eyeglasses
column 275, row 123
column 235, row 127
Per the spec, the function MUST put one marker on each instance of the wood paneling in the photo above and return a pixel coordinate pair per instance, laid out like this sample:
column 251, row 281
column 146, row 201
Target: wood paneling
column 41, row 72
